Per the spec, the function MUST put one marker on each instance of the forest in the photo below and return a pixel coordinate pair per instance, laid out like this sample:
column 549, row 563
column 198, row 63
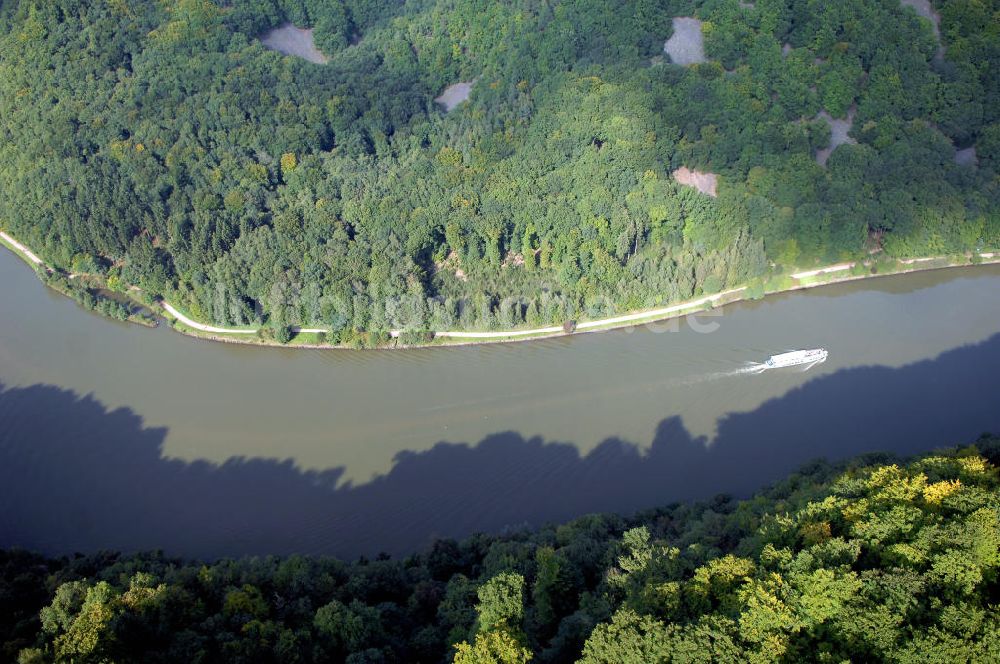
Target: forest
column 156, row 144
column 871, row 560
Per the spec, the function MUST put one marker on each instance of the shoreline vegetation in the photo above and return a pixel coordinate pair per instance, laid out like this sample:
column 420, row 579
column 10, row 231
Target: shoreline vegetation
column 141, row 311
column 89, row 291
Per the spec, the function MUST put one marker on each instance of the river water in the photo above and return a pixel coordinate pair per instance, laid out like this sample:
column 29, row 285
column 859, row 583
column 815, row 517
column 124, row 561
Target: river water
column 117, row 436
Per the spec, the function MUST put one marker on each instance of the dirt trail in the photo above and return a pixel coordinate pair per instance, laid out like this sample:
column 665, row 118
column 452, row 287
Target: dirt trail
column 23, row 249
column 199, row 326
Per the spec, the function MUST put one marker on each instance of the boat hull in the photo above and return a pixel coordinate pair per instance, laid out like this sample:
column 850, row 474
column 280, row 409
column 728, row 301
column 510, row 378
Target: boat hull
column 796, row 358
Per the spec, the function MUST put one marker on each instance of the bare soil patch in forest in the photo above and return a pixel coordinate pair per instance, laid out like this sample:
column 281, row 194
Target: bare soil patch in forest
column 686, row 46
column 706, row 183
column 455, row 94
column 289, row 40
column 966, row 157
column 924, row 8
column 838, row 134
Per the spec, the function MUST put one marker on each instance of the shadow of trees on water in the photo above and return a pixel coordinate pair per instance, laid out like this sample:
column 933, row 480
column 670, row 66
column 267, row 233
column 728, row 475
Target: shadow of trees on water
column 76, row 477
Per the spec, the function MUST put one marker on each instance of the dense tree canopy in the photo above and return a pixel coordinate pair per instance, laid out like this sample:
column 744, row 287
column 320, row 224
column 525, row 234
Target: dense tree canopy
column 872, row 561
column 159, row 142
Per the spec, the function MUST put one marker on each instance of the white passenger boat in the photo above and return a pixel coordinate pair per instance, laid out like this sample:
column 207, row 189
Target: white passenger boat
column 795, row 357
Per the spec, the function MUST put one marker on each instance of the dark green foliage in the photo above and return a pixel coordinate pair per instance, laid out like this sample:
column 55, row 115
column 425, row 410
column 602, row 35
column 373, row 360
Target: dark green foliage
column 865, row 561
column 283, row 334
column 158, row 139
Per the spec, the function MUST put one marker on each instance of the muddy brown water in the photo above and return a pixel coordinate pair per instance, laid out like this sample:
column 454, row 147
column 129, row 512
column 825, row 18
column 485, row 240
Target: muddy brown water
column 118, row 436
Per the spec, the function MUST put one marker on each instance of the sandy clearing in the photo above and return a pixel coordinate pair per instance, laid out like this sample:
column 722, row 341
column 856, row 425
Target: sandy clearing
column 455, row 94
column 289, row 40
column 966, row 157
column 706, row 183
column 687, row 45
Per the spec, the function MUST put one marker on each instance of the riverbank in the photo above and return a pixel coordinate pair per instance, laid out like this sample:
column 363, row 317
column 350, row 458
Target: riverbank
column 775, row 285
column 89, row 291
column 313, row 338
column 17, row 247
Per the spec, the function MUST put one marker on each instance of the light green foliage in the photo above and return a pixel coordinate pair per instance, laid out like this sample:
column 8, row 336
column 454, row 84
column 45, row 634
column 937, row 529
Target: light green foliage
column 639, row 552
column 498, row 637
column 494, row 647
column 629, row 639
column 82, row 619
column 501, row 602
column 930, row 527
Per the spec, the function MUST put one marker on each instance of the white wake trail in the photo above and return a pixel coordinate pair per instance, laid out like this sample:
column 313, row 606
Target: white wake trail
column 716, row 375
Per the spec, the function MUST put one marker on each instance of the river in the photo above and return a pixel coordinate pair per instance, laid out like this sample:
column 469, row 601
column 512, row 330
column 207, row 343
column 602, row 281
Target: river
column 117, row 436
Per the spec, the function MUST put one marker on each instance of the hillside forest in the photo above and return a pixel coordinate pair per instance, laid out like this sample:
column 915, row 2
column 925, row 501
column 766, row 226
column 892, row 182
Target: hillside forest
column 158, row 145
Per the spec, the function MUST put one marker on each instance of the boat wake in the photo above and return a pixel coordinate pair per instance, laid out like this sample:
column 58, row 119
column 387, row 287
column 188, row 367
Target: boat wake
column 761, row 367
column 741, row 371
column 801, row 361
